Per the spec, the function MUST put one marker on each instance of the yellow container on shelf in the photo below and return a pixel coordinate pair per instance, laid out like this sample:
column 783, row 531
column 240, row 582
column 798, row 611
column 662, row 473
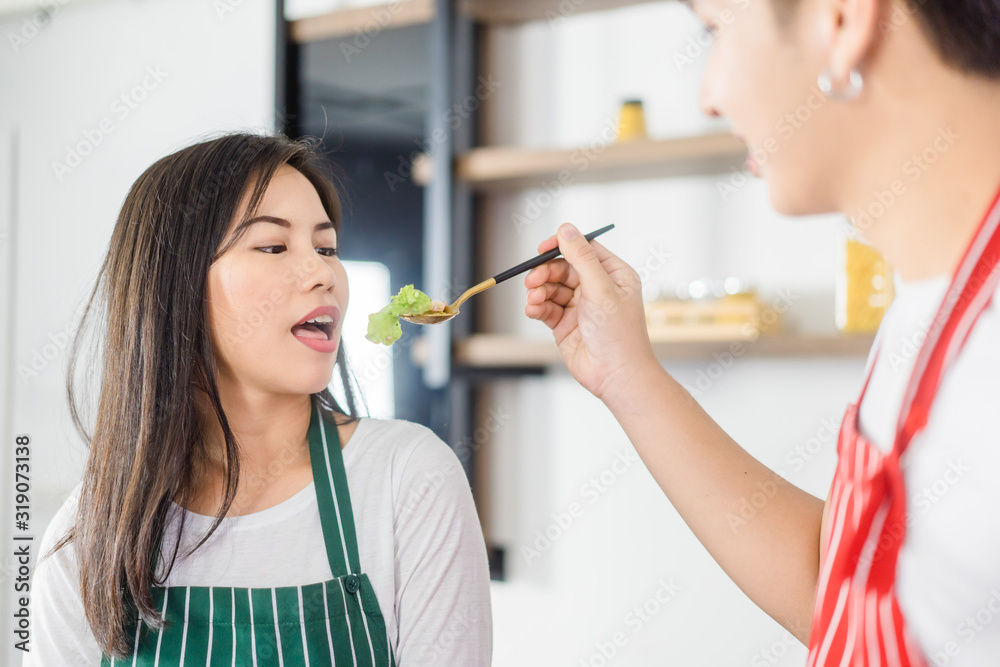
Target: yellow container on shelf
column 632, row 121
column 864, row 285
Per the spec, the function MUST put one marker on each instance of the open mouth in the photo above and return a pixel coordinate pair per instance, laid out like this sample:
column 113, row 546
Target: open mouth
column 314, row 330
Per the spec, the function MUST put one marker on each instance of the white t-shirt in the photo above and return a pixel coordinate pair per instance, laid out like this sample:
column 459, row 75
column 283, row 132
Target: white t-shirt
column 948, row 575
column 419, row 541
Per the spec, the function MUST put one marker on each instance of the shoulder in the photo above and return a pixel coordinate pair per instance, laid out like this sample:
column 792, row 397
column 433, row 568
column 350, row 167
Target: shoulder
column 62, row 522
column 990, row 319
column 59, row 625
column 397, row 438
column 53, row 571
column 421, row 463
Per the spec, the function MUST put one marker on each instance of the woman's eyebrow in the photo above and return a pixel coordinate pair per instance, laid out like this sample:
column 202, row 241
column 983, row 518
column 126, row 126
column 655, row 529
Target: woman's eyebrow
column 284, row 223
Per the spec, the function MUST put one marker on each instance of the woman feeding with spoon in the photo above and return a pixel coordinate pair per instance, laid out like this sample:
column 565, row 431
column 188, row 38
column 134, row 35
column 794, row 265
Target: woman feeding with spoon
column 870, row 576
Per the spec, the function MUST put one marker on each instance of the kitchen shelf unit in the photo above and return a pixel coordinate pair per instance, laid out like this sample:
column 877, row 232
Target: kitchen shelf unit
column 492, row 351
column 344, row 22
column 497, row 168
column 456, row 358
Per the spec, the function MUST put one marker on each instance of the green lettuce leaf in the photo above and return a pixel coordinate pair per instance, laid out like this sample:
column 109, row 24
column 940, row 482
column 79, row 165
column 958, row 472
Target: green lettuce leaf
column 383, row 326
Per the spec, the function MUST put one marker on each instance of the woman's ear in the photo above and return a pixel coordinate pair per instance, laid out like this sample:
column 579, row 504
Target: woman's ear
column 854, row 33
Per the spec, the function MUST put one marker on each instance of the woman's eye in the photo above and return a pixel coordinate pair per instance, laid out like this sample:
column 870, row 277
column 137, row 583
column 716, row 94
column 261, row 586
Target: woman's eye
column 327, row 252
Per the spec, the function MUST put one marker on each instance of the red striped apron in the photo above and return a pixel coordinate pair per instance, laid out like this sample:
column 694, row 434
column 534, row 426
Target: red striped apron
column 857, row 619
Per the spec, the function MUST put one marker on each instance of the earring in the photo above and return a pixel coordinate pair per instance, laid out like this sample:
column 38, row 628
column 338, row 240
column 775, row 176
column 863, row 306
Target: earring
column 825, row 83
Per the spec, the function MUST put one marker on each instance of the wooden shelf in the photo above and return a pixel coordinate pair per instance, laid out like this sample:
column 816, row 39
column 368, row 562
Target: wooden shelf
column 525, row 11
column 495, row 168
column 348, row 22
column 498, row 352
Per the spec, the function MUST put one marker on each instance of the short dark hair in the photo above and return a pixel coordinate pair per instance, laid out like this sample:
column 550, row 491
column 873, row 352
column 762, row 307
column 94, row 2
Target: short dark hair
column 965, row 33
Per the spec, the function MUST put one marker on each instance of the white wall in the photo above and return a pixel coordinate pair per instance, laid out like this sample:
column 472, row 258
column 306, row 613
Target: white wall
column 214, row 71
column 561, row 85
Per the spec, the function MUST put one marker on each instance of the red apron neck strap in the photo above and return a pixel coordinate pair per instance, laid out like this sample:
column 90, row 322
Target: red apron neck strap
column 970, row 292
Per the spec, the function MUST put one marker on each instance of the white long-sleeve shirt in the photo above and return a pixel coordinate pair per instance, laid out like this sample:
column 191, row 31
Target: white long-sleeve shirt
column 419, row 540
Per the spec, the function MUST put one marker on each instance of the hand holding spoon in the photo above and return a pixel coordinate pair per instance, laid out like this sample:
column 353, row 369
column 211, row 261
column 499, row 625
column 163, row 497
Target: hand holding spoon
column 451, row 310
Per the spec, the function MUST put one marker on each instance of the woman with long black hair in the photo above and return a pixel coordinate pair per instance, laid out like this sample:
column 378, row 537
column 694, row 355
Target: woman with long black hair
column 231, row 512
column 886, row 111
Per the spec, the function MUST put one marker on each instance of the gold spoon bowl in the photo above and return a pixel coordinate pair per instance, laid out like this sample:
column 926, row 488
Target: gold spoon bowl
column 451, row 310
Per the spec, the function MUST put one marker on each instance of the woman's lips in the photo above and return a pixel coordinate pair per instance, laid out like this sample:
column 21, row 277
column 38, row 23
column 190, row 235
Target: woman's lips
column 313, row 331
column 315, row 339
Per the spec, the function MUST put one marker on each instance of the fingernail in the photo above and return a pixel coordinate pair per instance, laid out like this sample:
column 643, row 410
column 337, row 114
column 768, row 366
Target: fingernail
column 569, row 232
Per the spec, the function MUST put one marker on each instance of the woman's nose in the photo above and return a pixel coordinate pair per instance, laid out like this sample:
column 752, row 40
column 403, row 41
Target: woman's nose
column 706, row 100
column 708, row 93
column 315, row 271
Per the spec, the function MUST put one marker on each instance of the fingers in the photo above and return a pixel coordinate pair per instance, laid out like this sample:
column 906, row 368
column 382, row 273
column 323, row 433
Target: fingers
column 554, row 292
column 584, row 258
column 547, row 312
column 556, row 271
column 548, row 244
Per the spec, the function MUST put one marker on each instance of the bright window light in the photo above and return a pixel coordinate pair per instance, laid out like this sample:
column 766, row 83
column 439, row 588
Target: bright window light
column 371, row 363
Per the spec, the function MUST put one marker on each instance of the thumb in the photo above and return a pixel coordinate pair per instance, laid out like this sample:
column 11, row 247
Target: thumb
column 583, row 258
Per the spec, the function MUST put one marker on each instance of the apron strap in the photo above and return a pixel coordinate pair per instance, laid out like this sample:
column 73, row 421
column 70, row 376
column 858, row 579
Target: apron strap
column 969, row 294
column 330, row 478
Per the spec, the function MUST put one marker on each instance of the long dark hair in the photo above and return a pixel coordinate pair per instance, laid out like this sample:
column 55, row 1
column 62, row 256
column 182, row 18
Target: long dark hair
column 150, row 295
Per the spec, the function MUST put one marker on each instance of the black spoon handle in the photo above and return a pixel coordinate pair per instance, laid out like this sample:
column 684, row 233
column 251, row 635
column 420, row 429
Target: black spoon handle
column 544, row 257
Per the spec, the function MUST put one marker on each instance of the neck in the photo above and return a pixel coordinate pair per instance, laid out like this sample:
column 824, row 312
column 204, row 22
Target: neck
column 271, row 429
column 921, row 202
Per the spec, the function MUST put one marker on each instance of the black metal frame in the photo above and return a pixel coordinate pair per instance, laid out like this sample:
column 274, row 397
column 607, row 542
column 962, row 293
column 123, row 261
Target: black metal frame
column 449, row 217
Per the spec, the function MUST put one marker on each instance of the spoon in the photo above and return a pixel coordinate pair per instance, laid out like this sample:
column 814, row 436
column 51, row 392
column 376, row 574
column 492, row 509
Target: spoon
column 450, row 311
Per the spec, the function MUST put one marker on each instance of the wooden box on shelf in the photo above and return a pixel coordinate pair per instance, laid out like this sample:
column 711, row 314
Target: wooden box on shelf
column 729, row 318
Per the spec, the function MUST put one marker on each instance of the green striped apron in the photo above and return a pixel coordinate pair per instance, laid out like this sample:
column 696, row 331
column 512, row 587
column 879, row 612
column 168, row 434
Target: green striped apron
column 335, row 622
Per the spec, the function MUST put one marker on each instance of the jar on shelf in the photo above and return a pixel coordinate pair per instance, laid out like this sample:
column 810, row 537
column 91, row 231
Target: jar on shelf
column 632, row 121
column 864, row 284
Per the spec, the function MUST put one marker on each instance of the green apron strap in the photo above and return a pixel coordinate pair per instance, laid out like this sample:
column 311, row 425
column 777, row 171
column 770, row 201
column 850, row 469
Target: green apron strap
column 332, row 494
